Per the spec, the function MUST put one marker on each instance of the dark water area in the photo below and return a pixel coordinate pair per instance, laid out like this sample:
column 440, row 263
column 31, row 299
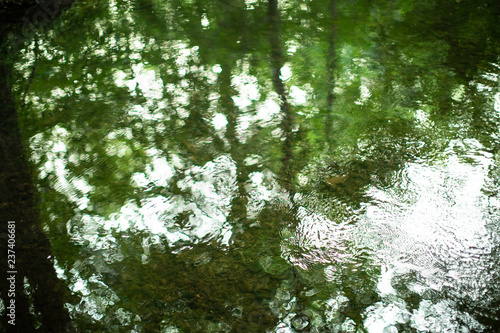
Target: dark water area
column 253, row 166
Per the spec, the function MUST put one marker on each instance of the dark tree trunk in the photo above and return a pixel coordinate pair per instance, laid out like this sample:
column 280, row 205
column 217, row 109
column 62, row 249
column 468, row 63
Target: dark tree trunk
column 331, row 61
column 33, row 289
column 287, row 120
column 32, row 248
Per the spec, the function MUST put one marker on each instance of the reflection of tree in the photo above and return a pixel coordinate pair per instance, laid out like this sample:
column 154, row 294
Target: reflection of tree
column 39, row 295
column 114, row 127
column 237, row 150
column 308, row 274
column 210, row 289
column 330, row 68
column 287, row 121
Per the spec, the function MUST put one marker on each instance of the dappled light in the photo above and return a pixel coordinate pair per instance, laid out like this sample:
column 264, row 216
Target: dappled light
column 252, row 166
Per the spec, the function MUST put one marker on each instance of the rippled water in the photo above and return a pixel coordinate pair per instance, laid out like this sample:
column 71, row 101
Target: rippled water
column 268, row 166
column 433, row 234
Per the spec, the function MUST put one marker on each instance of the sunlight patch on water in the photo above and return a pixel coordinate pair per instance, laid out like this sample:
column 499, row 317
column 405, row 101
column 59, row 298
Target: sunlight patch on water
column 435, row 210
column 429, row 317
column 54, row 149
column 212, row 188
column 219, row 121
column 433, row 226
column 158, row 173
column 247, row 88
column 430, row 232
column 146, row 79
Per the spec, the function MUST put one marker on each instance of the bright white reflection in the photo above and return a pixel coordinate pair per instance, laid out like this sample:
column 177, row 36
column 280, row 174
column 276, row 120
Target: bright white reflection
column 267, row 110
column 434, row 207
column 219, row 121
column 93, row 304
column 212, row 188
column 147, row 80
column 248, row 89
column 217, row 69
column 433, row 223
column 364, row 94
column 262, row 189
column 299, row 96
column 204, row 21
column 54, row 149
column 429, row 317
column 158, row 173
column 286, row 72
column 497, row 102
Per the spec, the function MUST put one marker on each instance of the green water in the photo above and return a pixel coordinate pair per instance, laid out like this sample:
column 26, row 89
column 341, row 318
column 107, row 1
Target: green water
column 255, row 166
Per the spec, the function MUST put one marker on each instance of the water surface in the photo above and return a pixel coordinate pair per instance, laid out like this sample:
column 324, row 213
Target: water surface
column 259, row 166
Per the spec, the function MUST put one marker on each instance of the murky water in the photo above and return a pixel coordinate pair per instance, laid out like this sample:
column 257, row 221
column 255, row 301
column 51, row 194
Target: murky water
column 270, row 166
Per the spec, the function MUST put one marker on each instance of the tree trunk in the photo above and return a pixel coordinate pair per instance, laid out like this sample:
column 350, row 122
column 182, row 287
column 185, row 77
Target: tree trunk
column 29, row 287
